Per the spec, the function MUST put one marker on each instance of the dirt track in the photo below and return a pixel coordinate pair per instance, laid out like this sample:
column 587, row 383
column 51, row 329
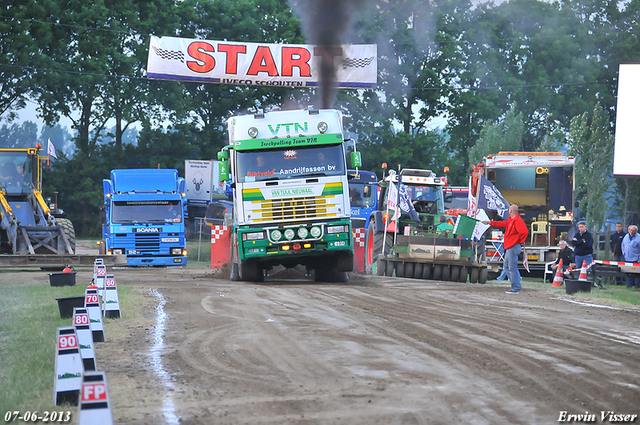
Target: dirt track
column 374, row 351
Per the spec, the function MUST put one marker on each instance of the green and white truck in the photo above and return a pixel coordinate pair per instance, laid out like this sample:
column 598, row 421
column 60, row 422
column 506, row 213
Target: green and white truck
column 290, row 193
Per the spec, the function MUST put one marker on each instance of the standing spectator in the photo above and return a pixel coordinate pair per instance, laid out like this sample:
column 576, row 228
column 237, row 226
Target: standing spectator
column 566, row 255
column 583, row 244
column 515, row 235
column 616, row 246
column 631, row 252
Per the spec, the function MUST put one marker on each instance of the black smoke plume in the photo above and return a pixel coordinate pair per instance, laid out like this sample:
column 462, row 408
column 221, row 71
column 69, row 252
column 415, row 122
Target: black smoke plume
column 325, row 23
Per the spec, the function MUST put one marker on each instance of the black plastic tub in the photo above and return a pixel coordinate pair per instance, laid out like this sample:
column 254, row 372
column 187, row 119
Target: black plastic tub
column 67, row 304
column 62, row 279
column 573, row 285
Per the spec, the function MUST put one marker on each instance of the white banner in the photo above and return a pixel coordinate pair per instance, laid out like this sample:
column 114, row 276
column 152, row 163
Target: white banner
column 259, row 64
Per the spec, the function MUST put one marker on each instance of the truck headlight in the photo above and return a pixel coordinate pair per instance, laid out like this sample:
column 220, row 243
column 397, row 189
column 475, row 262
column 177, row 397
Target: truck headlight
column 276, row 235
column 303, row 232
column 252, row 236
column 289, row 234
column 322, row 126
column 316, row 231
column 337, row 229
column 176, row 251
column 253, row 132
column 117, row 251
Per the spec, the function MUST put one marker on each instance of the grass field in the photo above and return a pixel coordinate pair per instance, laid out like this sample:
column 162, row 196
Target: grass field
column 28, row 324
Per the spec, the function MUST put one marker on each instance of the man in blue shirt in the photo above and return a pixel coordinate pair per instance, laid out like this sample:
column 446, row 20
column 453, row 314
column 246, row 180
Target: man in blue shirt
column 631, row 252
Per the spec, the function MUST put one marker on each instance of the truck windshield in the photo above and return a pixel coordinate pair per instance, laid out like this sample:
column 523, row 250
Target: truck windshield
column 15, row 172
column 362, row 195
column 427, row 199
column 290, row 163
column 133, row 212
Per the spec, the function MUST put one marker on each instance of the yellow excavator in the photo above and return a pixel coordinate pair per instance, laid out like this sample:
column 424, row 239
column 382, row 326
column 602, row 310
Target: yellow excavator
column 28, row 226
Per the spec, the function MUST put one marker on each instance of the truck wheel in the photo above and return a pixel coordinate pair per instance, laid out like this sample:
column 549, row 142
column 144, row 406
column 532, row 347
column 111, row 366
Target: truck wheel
column 400, row 269
column 250, row 271
column 408, row 269
column 69, row 232
column 426, row 271
column 483, row 276
column 437, row 271
column 388, row 270
column 473, row 276
column 464, row 273
column 373, row 245
column 455, row 273
column 446, row 274
column 330, row 275
column 344, row 262
column 417, row 270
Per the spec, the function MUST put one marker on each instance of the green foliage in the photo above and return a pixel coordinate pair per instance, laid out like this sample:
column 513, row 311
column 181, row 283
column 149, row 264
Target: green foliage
column 501, row 136
column 591, row 142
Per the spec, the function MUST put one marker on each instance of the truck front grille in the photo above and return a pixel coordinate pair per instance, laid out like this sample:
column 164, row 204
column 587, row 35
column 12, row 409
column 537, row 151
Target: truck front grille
column 147, row 242
column 293, row 208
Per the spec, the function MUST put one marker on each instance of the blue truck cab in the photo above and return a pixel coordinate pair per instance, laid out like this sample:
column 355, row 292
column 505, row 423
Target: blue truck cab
column 144, row 217
column 363, row 196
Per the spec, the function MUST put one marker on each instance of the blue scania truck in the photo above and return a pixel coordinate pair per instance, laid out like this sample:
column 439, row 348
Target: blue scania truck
column 143, row 217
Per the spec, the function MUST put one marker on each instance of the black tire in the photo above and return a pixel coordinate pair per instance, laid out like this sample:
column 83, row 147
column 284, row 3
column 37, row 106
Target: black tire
column 455, row 273
column 69, row 232
column 400, row 269
column 344, row 262
column 426, row 271
column 417, row 270
column 437, row 272
column 250, row 271
column 446, row 273
column 373, row 245
column 483, row 276
column 388, row 270
column 464, row 273
column 408, row 269
column 381, row 267
column 473, row 275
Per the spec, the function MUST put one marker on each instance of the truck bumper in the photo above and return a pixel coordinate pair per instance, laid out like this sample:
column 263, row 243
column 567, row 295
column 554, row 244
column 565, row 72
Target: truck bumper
column 156, row 261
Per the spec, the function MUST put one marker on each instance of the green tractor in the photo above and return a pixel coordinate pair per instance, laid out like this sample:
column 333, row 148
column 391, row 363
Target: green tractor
column 420, row 246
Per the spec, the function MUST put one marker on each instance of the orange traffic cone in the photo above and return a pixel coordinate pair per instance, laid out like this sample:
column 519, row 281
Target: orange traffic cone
column 557, row 279
column 583, row 272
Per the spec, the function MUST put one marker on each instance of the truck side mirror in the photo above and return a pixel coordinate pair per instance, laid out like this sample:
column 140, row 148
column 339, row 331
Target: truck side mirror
column 355, row 159
column 448, row 197
column 223, row 169
column 223, row 155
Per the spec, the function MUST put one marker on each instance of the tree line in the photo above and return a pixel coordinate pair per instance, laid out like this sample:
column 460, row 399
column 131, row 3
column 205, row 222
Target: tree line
column 456, row 81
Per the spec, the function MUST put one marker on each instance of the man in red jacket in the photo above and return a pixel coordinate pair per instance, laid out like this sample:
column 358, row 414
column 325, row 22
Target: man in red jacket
column 515, row 235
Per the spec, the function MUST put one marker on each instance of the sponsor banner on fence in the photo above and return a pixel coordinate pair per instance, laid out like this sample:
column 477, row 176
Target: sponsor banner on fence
column 259, row 64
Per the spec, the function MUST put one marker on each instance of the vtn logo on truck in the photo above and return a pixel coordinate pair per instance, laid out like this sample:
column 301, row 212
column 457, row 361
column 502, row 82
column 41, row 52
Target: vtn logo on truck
column 146, row 230
column 296, row 126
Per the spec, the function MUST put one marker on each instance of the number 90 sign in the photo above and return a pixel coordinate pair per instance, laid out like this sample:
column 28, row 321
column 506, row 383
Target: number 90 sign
column 67, row 341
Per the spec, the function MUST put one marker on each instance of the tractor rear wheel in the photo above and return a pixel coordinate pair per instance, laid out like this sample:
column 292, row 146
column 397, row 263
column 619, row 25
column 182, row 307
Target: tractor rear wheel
column 69, row 232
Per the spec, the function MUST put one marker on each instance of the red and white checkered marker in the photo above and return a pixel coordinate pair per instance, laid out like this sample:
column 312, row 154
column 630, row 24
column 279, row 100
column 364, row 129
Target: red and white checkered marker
column 358, row 236
column 217, row 232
